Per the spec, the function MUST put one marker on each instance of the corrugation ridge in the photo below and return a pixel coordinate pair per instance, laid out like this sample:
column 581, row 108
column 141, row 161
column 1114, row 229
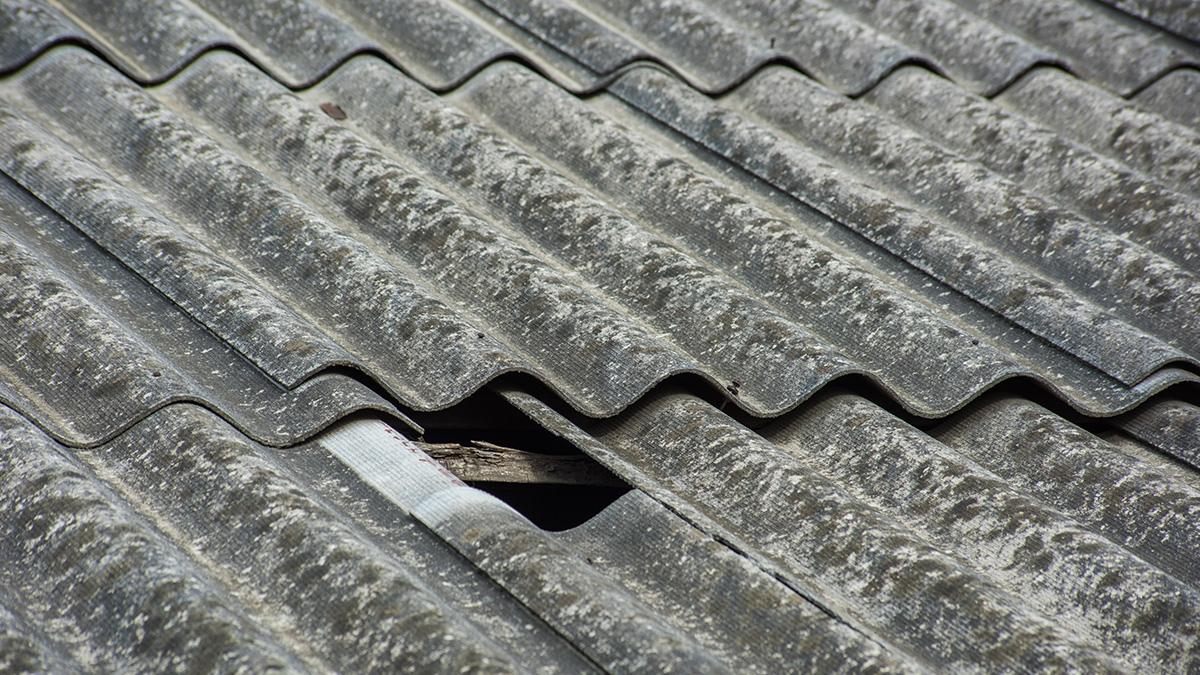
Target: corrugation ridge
column 1171, row 426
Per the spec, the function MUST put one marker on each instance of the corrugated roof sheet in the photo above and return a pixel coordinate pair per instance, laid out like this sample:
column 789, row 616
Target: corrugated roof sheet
column 849, row 44
column 930, row 241
column 461, row 256
column 956, row 551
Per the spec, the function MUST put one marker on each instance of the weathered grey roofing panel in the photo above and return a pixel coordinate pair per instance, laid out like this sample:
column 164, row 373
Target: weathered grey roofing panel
column 92, row 349
column 852, row 44
column 607, row 257
column 848, row 44
column 401, row 237
column 1142, row 506
column 29, row 28
column 222, row 235
column 1109, row 125
column 790, row 269
column 245, row 539
column 1097, row 266
column 184, row 542
column 1050, row 561
column 732, row 333
column 1176, row 97
column 977, row 54
column 1178, row 16
column 1112, row 49
column 715, row 48
column 1080, row 529
column 149, row 39
column 121, row 595
column 865, row 563
column 442, row 43
column 1172, row 426
column 193, row 276
column 1045, row 163
column 725, row 601
column 957, row 259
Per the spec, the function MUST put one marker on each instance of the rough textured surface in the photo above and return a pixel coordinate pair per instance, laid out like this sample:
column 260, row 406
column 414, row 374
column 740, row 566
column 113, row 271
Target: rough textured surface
column 848, row 44
column 949, row 249
column 1176, row 97
column 89, row 348
column 865, row 562
column 307, row 243
column 1046, row 163
column 1110, row 126
column 1181, row 18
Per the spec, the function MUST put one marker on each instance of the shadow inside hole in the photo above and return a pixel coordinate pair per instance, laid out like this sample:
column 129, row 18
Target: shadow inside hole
column 551, row 506
column 555, row 496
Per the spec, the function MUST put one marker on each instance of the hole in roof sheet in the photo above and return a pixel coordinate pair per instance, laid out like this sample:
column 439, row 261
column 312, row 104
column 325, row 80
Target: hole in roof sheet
column 494, row 448
column 554, row 507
